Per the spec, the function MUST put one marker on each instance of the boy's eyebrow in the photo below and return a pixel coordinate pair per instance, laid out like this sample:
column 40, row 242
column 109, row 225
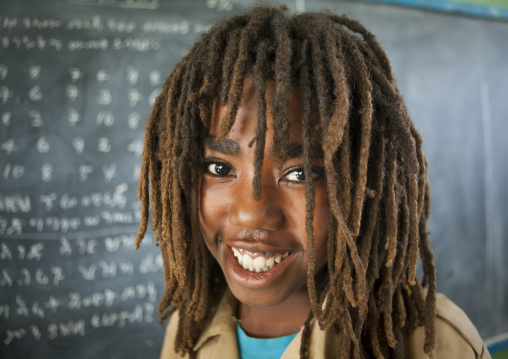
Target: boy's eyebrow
column 226, row 146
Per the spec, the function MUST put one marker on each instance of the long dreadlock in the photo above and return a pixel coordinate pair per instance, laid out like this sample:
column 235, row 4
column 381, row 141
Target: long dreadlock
column 375, row 169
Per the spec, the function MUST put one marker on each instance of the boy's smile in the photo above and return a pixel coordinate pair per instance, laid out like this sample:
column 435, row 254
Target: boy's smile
column 261, row 245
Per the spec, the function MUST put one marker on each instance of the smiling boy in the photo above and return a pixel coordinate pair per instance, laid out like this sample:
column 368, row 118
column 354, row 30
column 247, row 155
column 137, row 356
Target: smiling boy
column 289, row 197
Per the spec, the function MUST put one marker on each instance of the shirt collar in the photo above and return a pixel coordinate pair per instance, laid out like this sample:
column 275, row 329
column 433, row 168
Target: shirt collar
column 222, row 319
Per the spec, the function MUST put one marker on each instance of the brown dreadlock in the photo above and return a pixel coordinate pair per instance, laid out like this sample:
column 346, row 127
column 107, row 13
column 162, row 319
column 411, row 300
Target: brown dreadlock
column 376, row 174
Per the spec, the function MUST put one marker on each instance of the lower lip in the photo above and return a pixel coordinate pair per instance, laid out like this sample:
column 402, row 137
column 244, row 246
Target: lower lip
column 255, row 280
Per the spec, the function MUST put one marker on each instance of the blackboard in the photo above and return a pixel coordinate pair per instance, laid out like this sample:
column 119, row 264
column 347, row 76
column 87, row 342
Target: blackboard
column 77, row 79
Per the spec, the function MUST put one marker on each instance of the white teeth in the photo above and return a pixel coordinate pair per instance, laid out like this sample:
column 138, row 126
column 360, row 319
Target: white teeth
column 259, row 262
column 247, row 261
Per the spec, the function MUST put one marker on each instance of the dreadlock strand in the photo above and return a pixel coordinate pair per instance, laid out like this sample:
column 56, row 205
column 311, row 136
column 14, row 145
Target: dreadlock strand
column 166, row 299
column 309, row 192
column 282, row 95
column 366, row 113
column 260, row 84
column 430, row 300
column 143, row 189
column 142, row 196
column 403, row 239
column 373, row 332
column 248, row 36
column 220, row 42
column 178, row 236
column 196, row 290
column 414, row 234
column 348, row 326
column 387, row 294
column 320, row 83
column 370, row 39
column 165, row 230
column 345, row 171
column 373, row 267
column 422, row 175
column 391, row 212
column 399, row 307
column 230, row 56
column 305, row 337
column 373, row 209
column 202, row 307
column 347, row 282
column 340, row 106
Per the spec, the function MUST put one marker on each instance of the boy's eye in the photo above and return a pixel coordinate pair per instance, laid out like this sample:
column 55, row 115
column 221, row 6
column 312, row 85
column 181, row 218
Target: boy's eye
column 218, row 169
column 295, row 176
column 298, row 175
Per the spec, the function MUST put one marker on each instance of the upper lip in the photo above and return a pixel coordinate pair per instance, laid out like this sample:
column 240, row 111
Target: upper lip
column 257, row 248
column 260, row 241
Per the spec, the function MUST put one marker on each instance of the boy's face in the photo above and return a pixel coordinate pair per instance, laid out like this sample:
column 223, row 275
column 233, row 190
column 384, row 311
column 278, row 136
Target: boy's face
column 268, row 235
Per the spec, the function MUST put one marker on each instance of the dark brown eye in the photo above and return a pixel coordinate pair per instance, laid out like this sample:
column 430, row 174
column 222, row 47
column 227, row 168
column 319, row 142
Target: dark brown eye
column 218, row 169
column 296, row 176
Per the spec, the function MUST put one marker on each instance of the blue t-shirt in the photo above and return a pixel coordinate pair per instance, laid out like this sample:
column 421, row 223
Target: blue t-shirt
column 257, row 348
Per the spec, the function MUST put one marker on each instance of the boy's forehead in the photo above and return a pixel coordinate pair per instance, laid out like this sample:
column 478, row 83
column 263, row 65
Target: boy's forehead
column 248, row 107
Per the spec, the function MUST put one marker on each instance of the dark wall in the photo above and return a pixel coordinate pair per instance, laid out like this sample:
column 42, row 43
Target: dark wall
column 77, row 80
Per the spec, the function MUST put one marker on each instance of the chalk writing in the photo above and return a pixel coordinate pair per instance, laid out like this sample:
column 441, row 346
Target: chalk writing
column 14, row 171
column 5, row 118
column 94, row 23
column 105, row 97
column 133, row 120
column 9, row 22
column 34, row 71
column 29, row 43
column 121, row 25
column 40, row 24
column 70, row 160
column 75, row 74
column 14, row 334
column 46, row 168
column 66, row 328
column 43, row 145
column 72, row 92
column 99, row 44
column 5, row 94
column 106, row 118
column 15, row 203
column 73, row 117
column 180, row 27
column 36, row 118
column 135, row 44
column 78, row 143
column 134, row 97
column 9, row 146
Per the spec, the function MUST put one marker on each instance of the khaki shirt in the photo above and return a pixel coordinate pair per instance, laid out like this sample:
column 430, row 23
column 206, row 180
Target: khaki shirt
column 456, row 336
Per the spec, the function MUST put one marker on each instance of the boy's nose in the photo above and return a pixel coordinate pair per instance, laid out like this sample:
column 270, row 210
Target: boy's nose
column 246, row 212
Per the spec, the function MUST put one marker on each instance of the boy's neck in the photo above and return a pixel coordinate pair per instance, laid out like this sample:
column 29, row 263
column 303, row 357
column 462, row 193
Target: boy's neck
column 282, row 319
